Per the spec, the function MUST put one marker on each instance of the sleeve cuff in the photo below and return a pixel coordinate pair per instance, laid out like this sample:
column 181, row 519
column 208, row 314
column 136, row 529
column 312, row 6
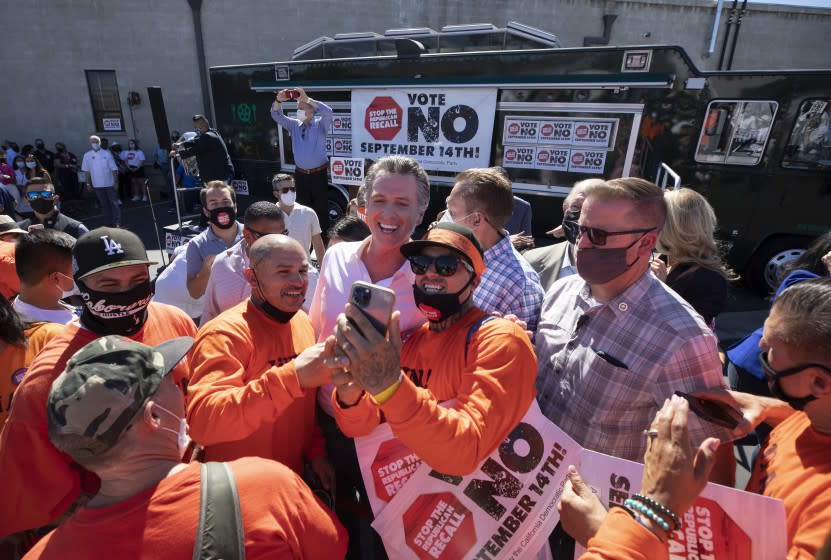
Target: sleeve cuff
column 385, row 395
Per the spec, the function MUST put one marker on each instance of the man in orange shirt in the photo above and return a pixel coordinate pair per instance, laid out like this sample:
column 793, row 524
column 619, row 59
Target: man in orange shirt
column 487, row 366
column 113, row 278
column 256, row 367
column 9, row 282
column 116, row 411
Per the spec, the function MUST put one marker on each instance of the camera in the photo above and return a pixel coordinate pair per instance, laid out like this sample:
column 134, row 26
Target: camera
column 362, row 296
column 292, row 93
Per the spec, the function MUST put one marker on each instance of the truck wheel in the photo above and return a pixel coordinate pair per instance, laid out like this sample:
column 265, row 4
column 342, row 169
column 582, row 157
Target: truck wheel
column 765, row 271
column 337, row 207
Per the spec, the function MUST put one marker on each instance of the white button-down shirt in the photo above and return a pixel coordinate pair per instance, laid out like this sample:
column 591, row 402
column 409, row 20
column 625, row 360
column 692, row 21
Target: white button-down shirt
column 99, row 167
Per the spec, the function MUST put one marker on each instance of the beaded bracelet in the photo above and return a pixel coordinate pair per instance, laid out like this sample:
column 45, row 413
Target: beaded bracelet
column 660, row 508
column 647, row 511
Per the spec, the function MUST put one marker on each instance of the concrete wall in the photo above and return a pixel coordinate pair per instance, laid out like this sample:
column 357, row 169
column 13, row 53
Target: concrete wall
column 47, row 45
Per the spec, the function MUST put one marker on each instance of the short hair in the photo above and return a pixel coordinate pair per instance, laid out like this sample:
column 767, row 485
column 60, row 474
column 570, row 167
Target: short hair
column 579, row 188
column 401, row 165
column 349, row 228
column 216, row 185
column 647, row 197
column 688, row 235
column 36, row 254
column 805, row 311
column 279, row 178
column 488, row 191
column 197, row 118
column 43, row 182
column 360, row 196
column 263, row 210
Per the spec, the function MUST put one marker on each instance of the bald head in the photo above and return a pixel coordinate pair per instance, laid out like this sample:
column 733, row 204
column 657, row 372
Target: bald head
column 271, row 247
column 577, row 194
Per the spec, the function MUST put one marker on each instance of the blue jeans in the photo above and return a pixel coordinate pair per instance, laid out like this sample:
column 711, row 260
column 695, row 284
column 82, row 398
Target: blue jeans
column 108, row 199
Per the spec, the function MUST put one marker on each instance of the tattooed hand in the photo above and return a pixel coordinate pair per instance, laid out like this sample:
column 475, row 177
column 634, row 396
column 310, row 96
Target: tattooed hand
column 374, row 360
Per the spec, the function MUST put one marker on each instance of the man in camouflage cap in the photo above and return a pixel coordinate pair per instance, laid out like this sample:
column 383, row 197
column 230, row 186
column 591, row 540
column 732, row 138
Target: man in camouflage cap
column 117, row 412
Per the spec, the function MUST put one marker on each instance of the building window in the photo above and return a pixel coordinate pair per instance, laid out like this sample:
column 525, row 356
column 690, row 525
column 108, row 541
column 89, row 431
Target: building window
column 106, row 103
column 735, row 132
column 809, row 145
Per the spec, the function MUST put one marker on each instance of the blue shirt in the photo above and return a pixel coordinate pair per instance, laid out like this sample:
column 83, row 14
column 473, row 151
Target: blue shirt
column 204, row 245
column 188, row 181
column 308, row 142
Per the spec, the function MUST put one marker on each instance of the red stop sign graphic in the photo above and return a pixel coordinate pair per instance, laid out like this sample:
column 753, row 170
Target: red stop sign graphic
column 336, row 123
column 339, row 145
column 393, row 466
column 577, row 158
column 439, row 526
column 710, row 532
column 581, row 131
column 383, row 118
column 510, row 154
column 513, row 128
column 337, row 168
column 542, row 156
column 547, row 129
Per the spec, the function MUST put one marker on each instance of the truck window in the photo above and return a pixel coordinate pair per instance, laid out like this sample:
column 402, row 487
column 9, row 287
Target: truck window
column 809, row 145
column 735, row 132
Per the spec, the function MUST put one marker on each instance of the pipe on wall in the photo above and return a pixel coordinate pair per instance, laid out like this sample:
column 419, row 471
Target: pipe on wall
column 196, row 12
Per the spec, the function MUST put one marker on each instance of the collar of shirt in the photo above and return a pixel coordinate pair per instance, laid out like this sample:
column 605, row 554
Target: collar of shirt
column 214, row 238
column 356, row 259
column 622, row 303
column 499, row 249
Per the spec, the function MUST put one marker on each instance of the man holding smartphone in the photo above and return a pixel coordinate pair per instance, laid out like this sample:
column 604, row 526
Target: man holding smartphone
column 308, row 144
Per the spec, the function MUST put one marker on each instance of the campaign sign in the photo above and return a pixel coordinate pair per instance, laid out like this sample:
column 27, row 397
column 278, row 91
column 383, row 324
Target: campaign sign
column 173, row 240
column 329, row 146
column 443, row 129
column 341, row 123
column 593, row 134
column 112, row 124
column 553, row 159
column 583, row 161
column 347, row 171
column 520, row 130
column 342, row 146
column 557, row 132
column 240, row 187
column 519, row 156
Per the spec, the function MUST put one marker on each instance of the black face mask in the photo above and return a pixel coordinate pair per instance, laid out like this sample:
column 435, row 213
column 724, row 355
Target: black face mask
column 39, row 146
column 224, row 217
column 571, row 233
column 42, row 205
column 121, row 313
column 438, row 307
column 773, row 377
column 262, row 304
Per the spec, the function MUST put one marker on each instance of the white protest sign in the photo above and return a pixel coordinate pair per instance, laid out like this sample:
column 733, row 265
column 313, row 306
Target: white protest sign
column 443, row 129
column 341, row 123
column 342, row 146
column 347, row 171
column 554, row 159
column 593, row 134
column 112, row 124
column 557, row 132
column 519, row 156
column 329, row 145
column 585, row 161
column 520, row 130
column 240, row 186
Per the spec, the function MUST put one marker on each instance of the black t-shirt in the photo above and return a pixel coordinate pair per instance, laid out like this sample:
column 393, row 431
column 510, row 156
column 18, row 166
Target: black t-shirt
column 211, row 156
column 46, row 159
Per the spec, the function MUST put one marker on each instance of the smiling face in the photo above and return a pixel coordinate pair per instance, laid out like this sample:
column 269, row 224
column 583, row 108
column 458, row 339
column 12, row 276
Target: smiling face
column 392, row 209
column 282, row 276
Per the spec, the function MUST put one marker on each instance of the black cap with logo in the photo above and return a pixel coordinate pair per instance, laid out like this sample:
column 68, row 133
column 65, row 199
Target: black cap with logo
column 105, row 248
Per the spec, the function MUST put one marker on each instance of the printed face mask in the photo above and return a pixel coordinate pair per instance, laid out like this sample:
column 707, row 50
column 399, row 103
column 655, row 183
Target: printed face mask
column 223, row 217
column 121, row 313
column 182, row 437
column 438, row 307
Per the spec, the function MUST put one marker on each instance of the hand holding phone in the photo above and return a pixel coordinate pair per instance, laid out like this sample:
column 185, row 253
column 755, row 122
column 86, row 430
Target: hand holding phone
column 375, row 302
column 717, row 412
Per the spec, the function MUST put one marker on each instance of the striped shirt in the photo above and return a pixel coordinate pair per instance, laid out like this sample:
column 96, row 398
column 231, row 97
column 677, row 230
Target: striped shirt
column 509, row 285
column 605, row 369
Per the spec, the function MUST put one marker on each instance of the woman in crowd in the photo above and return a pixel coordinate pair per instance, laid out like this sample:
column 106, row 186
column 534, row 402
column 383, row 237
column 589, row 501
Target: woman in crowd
column 133, row 157
column 694, row 267
column 31, row 169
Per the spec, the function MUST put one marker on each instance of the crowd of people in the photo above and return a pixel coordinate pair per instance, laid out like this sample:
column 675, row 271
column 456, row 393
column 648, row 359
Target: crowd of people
column 208, row 410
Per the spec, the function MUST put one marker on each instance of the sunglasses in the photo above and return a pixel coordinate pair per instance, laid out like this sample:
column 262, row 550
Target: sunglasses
column 285, row 190
column 773, row 374
column 446, row 265
column 257, row 234
column 596, row 236
column 34, row 195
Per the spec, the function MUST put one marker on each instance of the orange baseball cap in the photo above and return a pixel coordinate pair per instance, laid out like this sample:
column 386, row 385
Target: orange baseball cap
column 454, row 236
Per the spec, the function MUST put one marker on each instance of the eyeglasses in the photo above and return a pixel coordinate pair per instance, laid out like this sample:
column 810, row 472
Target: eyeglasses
column 34, row 195
column 446, row 265
column 257, row 234
column 773, row 374
column 597, row 236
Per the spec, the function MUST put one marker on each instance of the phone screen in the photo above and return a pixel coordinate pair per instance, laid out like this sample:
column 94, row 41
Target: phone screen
column 713, row 411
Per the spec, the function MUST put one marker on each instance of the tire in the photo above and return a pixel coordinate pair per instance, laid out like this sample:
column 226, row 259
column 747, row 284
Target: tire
column 764, row 273
column 337, row 206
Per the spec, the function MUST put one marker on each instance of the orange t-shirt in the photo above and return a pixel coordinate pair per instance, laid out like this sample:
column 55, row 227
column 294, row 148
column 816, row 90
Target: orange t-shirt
column 795, row 467
column 14, row 360
column 9, row 281
column 493, row 389
column 281, row 518
column 622, row 538
column 244, row 398
column 41, row 482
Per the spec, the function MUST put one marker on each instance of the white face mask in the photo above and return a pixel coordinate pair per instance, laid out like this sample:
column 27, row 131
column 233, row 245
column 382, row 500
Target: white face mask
column 182, row 437
column 448, row 218
column 300, row 115
column 73, row 292
column 288, row 198
column 95, row 146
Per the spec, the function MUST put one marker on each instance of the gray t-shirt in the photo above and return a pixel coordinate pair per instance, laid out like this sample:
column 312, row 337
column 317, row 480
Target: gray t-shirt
column 204, row 245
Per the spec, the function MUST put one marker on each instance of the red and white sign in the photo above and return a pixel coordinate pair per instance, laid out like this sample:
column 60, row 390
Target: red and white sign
column 584, row 161
column 521, row 130
column 240, row 187
column 341, row 124
column 594, row 134
column 443, row 129
column 519, row 156
column 342, row 146
column 556, row 132
column 347, row 171
column 553, row 159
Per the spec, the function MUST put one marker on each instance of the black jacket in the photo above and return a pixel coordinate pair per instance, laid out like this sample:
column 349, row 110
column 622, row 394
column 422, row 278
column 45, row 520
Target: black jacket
column 211, row 156
column 58, row 222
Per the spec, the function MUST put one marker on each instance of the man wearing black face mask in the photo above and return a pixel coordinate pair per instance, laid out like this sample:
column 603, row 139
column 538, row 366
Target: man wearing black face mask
column 557, row 261
column 256, row 367
column 219, row 205
column 112, row 275
column 486, row 364
column 41, row 195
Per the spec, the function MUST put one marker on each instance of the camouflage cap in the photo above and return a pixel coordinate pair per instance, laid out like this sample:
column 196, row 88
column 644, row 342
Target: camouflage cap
column 105, row 384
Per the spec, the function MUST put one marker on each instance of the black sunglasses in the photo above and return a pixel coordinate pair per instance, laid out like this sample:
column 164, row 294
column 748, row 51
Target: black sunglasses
column 257, row 234
column 763, row 358
column 34, row 195
column 597, row 236
column 284, row 190
column 446, row 265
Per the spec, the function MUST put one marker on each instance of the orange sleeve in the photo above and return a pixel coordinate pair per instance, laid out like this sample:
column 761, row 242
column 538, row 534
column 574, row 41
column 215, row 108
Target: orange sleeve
column 622, row 538
column 9, row 281
column 222, row 406
column 277, row 506
column 812, row 527
column 493, row 396
column 358, row 420
column 316, row 446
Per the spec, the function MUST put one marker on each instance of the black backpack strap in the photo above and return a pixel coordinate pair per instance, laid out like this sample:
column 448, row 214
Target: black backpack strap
column 220, row 534
column 472, row 330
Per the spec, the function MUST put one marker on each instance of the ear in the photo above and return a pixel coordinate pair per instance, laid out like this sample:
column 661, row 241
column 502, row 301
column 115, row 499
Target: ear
column 249, row 277
column 152, row 420
column 475, row 283
column 821, row 385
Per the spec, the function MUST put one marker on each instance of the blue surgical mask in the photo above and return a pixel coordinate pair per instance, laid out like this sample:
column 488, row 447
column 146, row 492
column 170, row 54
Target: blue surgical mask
column 95, row 146
column 31, row 164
